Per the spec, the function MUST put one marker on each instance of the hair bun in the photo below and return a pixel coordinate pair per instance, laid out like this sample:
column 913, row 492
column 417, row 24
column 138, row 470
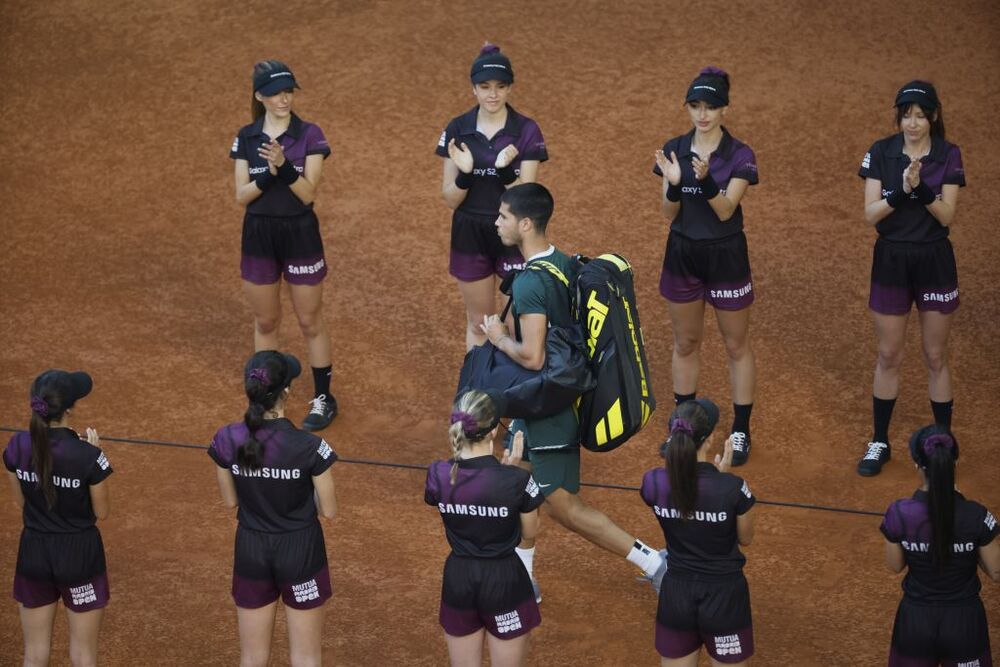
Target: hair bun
column 489, row 49
column 715, row 71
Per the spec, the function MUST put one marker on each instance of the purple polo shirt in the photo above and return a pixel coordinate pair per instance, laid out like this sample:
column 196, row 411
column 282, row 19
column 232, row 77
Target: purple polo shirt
column 278, row 497
column 886, row 162
column 483, row 197
column 76, row 466
column 482, row 509
column 299, row 140
column 705, row 542
column 908, row 524
column 732, row 159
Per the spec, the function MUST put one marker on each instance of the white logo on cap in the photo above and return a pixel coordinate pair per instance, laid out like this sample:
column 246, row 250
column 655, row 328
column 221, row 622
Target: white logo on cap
column 914, row 90
column 705, row 87
column 281, row 74
column 485, row 65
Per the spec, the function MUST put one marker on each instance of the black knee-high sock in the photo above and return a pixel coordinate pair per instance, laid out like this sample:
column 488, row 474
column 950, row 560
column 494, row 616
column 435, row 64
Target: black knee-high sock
column 881, row 415
column 741, row 417
column 321, row 380
column 680, row 398
column 942, row 413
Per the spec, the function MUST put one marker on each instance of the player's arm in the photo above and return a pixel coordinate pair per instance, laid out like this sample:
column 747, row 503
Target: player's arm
column 100, row 499
column 326, row 498
column 744, row 527
column 876, row 206
column 989, row 559
column 528, row 173
column 304, row 187
column 944, row 208
column 452, row 194
column 530, row 352
column 894, row 557
column 227, row 487
column 15, row 485
column 246, row 189
column 725, row 205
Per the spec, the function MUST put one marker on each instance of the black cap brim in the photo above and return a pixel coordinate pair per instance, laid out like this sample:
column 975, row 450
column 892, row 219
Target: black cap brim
column 275, row 86
column 503, row 76
column 294, row 367
column 925, row 101
column 708, row 96
column 712, row 410
column 74, row 385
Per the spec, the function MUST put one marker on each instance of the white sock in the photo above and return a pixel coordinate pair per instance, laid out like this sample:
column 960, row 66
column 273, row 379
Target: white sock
column 527, row 557
column 645, row 558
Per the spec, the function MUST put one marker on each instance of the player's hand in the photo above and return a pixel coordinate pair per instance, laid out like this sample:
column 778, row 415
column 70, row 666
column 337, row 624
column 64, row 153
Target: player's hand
column 92, row 437
column 700, row 167
column 512, row 456
column 493, row 328
column 911, row 177
column 670, row 166
column 461, row 156
column 725, row 462
column 273, row 152
column 506, row 156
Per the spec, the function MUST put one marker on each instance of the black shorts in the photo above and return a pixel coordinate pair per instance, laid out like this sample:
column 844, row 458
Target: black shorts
column 928, row 634
column 476, row 250
column 716, row 270
column 290, row 565
column 66, row 565
column 904, row 273
column 714, row 612
column 274, row 246
column 494, row 593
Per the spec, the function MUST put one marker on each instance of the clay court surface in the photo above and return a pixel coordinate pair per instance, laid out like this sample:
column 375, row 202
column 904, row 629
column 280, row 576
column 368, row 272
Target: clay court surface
column 121, row 254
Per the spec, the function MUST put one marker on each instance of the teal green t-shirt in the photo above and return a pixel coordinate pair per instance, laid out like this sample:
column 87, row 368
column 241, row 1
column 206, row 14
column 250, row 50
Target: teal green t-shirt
column 534, row 292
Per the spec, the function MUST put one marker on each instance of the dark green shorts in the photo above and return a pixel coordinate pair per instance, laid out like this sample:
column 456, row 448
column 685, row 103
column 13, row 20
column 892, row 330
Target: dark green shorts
column 555, row 469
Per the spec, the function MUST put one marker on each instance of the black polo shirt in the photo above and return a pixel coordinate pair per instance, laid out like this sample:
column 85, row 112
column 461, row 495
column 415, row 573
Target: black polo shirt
column 76, row 466
column 705, row 543
column 907, row 523
column 299, row 140
column 278, row 497
column 732, row 159
column 886, row 162
column 482, row 509
column 483, row 197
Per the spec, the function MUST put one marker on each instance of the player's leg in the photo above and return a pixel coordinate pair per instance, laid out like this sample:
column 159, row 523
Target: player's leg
column 890, row 334
column 934, row 329
column 265, row 305
column 84, row 629
column 688, row 323
column 305, row 636
column 937, row 300
column 36, row 624
column 466, row 650
column 734, row 325
column 479, row 297
column 569, row 510
column 256, row 628
column 508, row 652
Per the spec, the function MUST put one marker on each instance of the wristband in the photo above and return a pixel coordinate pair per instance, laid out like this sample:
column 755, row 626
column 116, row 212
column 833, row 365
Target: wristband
column 287, row 173
column 897, row 197
column 507, row 175
column 924, row 194
column 673, row 192
column 264, row 181
column 463, row 181
column 709, row 188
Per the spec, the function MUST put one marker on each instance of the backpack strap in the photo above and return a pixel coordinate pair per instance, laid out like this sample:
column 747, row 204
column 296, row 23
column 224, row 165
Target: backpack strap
column 562, row 296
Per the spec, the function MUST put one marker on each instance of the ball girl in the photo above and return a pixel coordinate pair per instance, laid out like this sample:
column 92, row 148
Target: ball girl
column 912, row 179
column 279, row 477
column 705, row 173
column 940, row 537
column 705, row 514
column 60, row 480
column 279, row 163
column 486, row 507
column 487, row 149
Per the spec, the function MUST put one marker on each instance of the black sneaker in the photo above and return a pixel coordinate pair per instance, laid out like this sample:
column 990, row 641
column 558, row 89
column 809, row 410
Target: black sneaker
column 876, row 456
column 322, row 410
column 741, row 447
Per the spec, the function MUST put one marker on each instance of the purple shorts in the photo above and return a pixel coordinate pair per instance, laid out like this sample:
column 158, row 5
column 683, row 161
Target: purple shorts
column 70, row 566
column 491, row 593
column 926, row 635
column 291, row 566
column 711, row 612
column 717, row 271
column 908, row 273
column 476, row 250
column 291, row 247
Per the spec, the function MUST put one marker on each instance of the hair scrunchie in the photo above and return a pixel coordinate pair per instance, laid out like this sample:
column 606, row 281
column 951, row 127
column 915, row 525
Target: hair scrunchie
column 938, row 441
column 469, row 424
column 682, row 426
column 40, row 406
column 261, row 375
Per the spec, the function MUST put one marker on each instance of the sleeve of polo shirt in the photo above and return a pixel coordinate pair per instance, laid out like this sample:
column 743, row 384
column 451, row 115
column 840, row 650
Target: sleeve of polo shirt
column 892, row 523
column 323, row 458
column 528, row 293
column 667, row 147
column 316, row 143
column 220, row 450
column 531, row 497
column 870, row 163
column 745, row 165
column 432, row 491
column 532, row 144
column 239, row 149
column 954, row 172
column 744, row 499
column 447, row 134
column 9, row 449
column 100, row 469
column 988, row 528
column 648, row 488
